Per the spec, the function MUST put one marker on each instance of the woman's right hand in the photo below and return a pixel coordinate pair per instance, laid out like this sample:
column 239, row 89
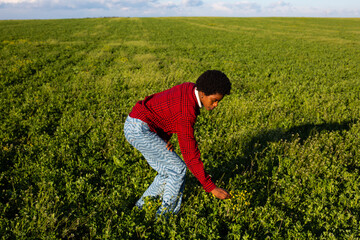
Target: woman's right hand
column 220, row 193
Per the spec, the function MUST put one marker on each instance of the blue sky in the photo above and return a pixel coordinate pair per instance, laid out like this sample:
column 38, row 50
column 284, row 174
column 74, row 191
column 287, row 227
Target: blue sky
column 50, row 9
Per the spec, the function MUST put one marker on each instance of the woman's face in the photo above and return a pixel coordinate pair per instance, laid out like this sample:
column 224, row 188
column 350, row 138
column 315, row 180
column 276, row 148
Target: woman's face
column 210, row 102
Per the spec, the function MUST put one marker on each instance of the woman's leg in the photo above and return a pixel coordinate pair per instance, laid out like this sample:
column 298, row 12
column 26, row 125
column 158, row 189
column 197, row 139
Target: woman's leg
column 170, row 181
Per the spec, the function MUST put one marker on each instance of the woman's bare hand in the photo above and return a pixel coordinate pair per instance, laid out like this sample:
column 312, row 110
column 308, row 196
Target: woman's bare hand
column 220, row 193
column 169, row 146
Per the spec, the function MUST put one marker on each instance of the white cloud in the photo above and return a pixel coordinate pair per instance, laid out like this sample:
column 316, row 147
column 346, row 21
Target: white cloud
column 168, row 5
column 101, row 4
column 192, row 3
column 80, row 4
column 17, row 1
column 243, row 7
column 327, row 12
column 221, row 7
column 280, row 8
column 279, row 4
column 153, row 8
column 248, row 6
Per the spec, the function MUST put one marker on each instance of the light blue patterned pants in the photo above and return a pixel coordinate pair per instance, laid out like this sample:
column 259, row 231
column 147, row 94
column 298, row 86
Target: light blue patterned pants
column 170, row 181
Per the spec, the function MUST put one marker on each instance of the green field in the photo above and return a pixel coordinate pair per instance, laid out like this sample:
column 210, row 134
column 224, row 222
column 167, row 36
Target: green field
column 285, row 142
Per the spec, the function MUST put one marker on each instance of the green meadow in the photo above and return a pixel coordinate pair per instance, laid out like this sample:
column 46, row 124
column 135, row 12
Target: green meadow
column 285, row 143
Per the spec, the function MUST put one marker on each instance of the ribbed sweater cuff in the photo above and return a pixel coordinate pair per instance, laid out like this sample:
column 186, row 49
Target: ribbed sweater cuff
column 209, row 186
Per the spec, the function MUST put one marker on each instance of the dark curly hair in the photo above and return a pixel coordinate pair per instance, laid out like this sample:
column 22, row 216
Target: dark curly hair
column 212, row 82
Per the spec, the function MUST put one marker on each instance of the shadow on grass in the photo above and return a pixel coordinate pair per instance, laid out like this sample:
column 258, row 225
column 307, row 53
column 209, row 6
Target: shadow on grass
column 258, row 147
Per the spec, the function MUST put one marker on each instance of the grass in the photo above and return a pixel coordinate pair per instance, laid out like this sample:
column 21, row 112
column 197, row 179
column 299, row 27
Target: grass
column 285, row 142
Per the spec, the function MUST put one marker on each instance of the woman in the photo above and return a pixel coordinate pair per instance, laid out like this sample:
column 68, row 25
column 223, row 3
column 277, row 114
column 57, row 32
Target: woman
column 151, row 124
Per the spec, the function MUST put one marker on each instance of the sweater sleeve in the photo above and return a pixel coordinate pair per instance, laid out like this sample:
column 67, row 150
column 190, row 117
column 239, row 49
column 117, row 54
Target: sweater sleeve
column 165, row 136
column 189, row 148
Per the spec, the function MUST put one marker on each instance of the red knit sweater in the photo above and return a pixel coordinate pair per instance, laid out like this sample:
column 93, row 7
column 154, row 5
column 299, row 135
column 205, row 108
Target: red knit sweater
column 175, row 111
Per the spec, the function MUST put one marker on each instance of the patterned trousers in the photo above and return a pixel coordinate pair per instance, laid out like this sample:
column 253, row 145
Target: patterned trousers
column 170, row 181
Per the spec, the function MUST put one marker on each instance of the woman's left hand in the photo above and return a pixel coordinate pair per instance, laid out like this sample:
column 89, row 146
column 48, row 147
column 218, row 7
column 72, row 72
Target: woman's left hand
column 169, row 146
